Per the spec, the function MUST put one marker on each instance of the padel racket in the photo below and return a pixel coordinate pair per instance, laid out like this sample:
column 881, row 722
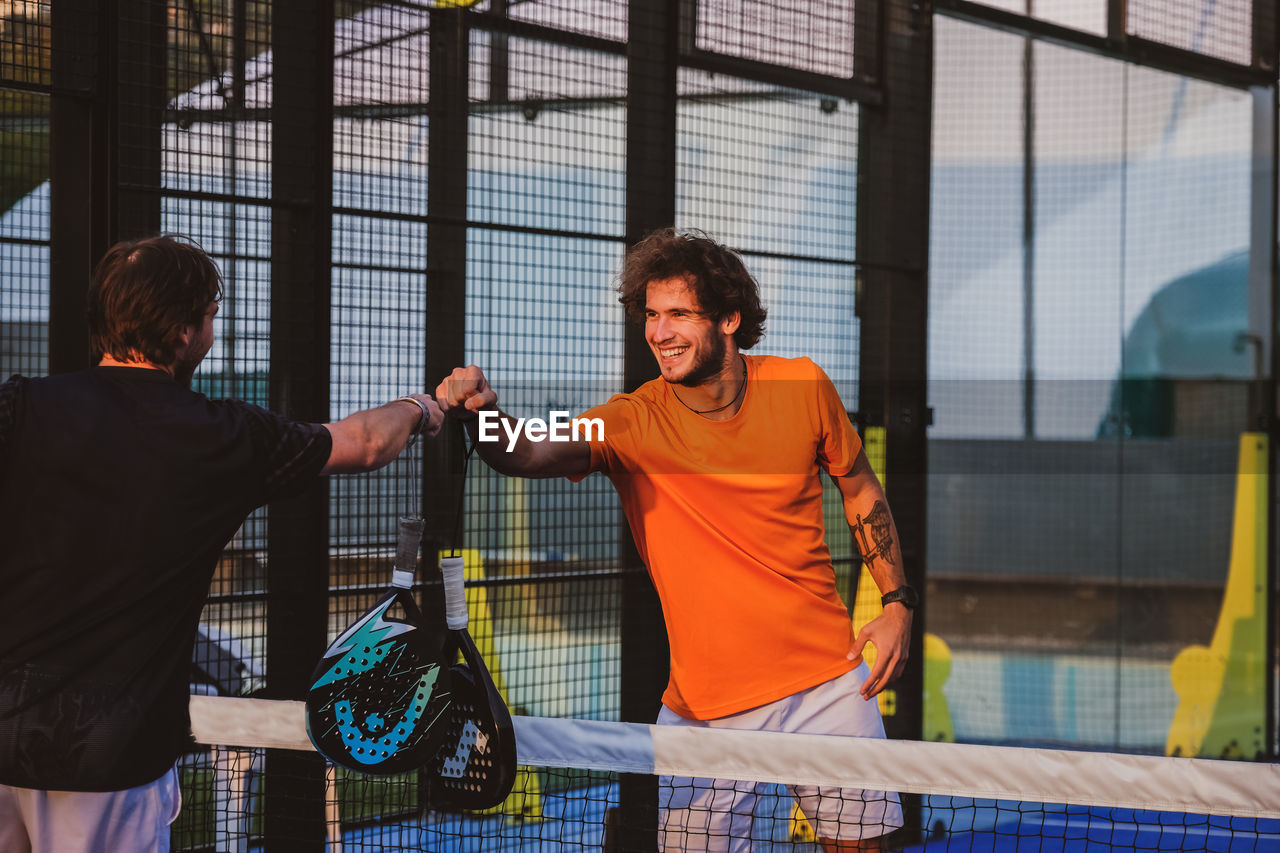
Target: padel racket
column 379, row 697
column 476, row 765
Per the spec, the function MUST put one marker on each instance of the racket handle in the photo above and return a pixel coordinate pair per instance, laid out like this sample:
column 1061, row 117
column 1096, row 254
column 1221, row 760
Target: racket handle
column 455, row 595
column 407, row 551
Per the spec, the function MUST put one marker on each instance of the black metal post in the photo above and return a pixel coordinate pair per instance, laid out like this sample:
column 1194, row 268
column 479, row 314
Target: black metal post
column 651, row 188
column 1266, row 55
column 105, row 117
column 893, row 248
column 78, row 229
column 653, row 31
column 298, row 528
column 140, row 92
column 446, row 278
column 446, row 283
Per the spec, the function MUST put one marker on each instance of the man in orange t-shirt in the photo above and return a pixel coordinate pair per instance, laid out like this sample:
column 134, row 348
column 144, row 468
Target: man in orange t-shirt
column 718, row 465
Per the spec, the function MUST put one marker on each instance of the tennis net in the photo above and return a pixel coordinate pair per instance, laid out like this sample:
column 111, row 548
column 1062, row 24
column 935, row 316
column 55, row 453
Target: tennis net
column 254, row 783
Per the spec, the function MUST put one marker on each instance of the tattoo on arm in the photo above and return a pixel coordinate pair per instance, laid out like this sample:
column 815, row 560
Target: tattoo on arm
column 872, row 533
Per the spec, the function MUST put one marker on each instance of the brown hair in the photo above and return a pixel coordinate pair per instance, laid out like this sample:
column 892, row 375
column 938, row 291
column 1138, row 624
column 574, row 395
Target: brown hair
column 714, row 272
column 143, row 292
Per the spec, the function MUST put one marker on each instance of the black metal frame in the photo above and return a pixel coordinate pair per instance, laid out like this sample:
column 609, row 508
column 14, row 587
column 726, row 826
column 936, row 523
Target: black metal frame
column 301, row 225
column 893, row 297
column 106, row 117
column 77, row 121
column 1119, row 44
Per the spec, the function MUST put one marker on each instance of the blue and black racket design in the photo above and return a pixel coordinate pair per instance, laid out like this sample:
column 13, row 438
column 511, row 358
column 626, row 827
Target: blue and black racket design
column 379, row 697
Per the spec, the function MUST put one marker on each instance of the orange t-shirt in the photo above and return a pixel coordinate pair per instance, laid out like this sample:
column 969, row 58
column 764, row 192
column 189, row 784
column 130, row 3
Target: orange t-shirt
column 727, row 515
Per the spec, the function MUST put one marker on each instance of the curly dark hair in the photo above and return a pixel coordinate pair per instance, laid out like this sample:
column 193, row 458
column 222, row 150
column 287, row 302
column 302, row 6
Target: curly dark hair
column 714, row 272
column 143, row 292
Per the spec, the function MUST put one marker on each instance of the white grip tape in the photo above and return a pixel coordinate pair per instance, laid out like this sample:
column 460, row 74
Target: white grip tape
column 403, row 580
column 455, row 596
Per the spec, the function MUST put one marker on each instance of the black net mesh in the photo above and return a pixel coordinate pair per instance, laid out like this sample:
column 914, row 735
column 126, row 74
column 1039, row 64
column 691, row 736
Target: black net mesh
column 1096, row 337
column 734, row 790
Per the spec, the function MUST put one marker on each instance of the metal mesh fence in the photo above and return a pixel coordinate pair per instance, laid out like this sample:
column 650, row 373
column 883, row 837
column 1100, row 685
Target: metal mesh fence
column 811, row 35
column 546, row 203
column 1090, row 366
column 215, row 187
column 1219, row 29
column 25, row 80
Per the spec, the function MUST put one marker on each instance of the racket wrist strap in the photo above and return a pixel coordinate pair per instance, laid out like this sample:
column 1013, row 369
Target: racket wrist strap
column 424, row 417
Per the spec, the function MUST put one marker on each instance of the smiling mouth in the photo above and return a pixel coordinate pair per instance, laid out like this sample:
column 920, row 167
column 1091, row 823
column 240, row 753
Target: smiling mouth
column 672, row 352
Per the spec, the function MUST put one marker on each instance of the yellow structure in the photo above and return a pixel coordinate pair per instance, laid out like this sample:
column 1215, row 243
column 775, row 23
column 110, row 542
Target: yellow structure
column 1221, row 702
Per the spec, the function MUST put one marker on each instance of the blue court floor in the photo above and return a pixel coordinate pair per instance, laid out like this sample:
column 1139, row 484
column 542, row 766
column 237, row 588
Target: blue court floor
column 1013, row 827
column 574, row 820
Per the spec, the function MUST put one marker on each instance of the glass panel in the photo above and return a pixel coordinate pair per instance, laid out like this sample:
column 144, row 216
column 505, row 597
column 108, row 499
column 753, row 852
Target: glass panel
column 976, row 335
column 547, row 154
column 1184, row 403
column 1069, row 571
column 1079, row 196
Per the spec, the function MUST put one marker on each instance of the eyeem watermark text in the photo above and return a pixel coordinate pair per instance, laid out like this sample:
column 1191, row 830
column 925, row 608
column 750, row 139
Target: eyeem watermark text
column 560, row 427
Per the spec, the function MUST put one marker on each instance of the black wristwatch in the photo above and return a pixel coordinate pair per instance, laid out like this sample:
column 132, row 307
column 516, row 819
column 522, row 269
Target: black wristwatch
column 904, row 595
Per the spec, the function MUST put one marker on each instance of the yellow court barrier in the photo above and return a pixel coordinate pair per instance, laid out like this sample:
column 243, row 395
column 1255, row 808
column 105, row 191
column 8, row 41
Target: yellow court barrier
column 1221, row 709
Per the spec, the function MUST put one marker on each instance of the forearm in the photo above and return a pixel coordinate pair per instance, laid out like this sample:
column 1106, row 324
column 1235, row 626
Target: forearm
column 875, row 534
column 511, row 459
column 500, row 439
column 507, row 449
column 876, row 537
column 371, row 438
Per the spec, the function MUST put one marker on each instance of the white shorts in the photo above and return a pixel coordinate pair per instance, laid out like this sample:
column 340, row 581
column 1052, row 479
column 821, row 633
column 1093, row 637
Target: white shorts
column 700, row 814
column 136, row 819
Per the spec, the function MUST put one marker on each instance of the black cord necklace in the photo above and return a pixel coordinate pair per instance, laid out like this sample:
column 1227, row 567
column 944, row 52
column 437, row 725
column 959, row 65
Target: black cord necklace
column 736, row 395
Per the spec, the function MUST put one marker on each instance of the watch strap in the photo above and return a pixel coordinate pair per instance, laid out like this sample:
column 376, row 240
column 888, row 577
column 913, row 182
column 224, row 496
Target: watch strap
column 904, row 595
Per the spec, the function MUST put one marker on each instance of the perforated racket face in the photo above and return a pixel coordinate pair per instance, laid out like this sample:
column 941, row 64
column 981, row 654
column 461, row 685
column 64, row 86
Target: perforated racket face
column 475, row 767
column 378, row 698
